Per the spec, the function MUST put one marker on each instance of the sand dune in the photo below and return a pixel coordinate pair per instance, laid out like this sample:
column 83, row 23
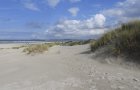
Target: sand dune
column 62, row 68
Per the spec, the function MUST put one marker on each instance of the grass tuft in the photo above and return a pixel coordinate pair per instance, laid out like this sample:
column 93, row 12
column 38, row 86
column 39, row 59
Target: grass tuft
column 38, row 48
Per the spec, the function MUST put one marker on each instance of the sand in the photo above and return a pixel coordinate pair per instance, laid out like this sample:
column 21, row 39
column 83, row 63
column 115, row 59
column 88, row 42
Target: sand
column 62, row 68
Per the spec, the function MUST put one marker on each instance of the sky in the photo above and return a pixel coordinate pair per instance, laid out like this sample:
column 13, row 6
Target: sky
column 63, row 19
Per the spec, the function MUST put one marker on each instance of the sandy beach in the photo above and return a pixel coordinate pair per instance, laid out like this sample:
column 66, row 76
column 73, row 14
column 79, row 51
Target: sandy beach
column 62, row 68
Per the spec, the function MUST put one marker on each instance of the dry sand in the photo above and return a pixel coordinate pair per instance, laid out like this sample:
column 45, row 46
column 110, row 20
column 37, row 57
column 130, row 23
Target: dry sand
column 62, row 68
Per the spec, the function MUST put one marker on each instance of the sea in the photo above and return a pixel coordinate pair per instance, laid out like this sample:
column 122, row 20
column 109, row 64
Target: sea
column 21, row 42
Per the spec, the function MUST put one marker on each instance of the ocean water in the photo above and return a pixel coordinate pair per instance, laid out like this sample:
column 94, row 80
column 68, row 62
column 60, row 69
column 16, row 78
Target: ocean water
column 24, row 42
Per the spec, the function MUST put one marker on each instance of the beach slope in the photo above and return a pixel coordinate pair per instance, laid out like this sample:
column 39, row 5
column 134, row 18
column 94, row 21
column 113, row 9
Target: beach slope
column 62, row 68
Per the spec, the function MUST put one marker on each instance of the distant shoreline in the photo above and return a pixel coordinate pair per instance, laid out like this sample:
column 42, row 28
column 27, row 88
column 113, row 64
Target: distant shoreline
column 35, row 41
column 18, row 42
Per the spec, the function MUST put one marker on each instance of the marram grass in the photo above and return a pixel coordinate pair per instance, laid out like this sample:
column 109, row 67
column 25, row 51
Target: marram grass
column 38, row 48
column 125, row 39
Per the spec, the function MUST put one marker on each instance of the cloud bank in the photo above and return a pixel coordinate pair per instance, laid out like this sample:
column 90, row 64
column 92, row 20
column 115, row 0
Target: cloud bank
column 124, row 11
column 78, row 28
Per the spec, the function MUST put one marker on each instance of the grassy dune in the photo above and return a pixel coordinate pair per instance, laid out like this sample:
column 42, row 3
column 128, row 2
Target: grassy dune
column 38, row 48
column 123, row 40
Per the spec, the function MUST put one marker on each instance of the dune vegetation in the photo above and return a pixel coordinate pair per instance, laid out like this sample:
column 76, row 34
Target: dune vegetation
column 18, row 47
column 38, row 48
column 123, row 40
column 73, row 43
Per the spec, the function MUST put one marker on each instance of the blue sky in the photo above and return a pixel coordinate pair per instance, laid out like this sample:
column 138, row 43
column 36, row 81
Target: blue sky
column 63, row 19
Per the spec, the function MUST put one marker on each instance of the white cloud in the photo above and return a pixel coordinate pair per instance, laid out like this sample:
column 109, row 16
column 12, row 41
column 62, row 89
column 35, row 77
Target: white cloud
column 78, row 28
column 124, row 11
column 31, row 6
column 74, row 1
column 53, row 3
column 113, row 12
column 100, row 19
column 74, row 11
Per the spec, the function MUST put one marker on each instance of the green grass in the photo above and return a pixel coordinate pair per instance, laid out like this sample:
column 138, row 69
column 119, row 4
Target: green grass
column 123, row 40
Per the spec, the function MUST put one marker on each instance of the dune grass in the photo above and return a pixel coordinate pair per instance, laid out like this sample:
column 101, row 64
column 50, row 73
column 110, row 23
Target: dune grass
column 18, row 47
column 123, row 40
column 73, row 43
column 38, row 48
